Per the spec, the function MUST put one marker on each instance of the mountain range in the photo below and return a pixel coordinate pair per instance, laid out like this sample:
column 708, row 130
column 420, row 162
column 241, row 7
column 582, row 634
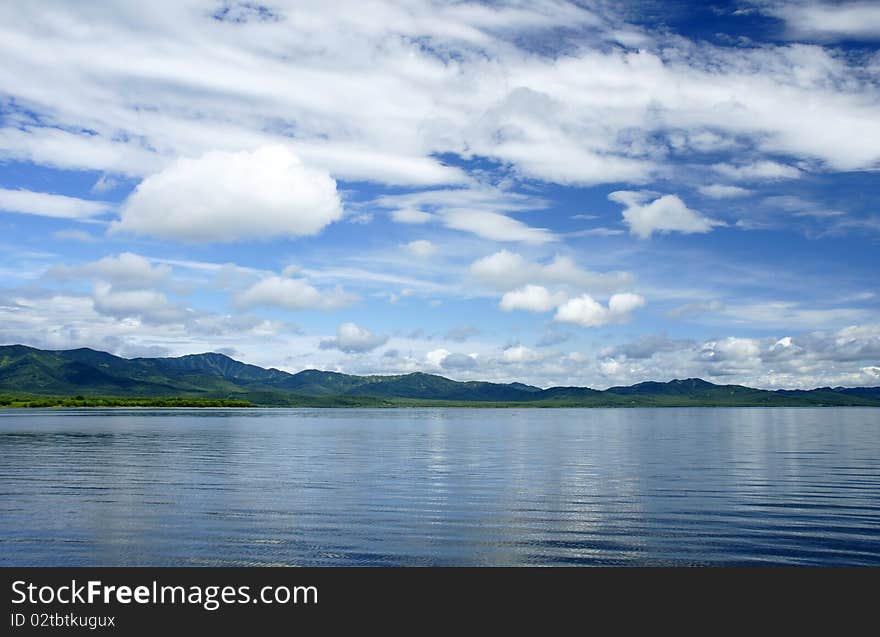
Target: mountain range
column 27, row 371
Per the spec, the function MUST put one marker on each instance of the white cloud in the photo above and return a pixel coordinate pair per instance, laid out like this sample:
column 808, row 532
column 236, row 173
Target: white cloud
column 123, row 271
column 825, row 20
column 495, row 226
column 583, row 310
column 563, row 161
column 376, row 162
column 224, row 196
column 147, row 305
column 845, row 357
column 799, row 207
column 731, row 350
column 667, row 213
column 586, row 311
column 353, row 339
column 381, row 96
column 758, row 171
column 782, row 343
column 481, row 210
column 125, row 289
column 410, row 215
column 772, row 313
column 473, row 197
column 48, row 205
column 531, row 298
column 647, row 346
column 520, row 354
column 105, row 183
column 292, row 294
column 459, row 362
column 619, row 305
column 134, row 323
column 362, row 219
column 435, row 357
column 871, row 371
column 504, row 270
column 720, row 191
column 77, row 151
column 597, row 232
column 421, row 248
column 806, row 360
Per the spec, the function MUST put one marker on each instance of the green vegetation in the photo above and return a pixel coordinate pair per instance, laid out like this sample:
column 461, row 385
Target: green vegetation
column 88, row 378
column 109, row 401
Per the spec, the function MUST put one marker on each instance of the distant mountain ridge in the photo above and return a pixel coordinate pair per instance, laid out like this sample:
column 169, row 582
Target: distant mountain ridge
column 87, row 372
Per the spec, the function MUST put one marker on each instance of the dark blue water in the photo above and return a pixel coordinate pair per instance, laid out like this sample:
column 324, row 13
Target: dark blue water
column 440, row 487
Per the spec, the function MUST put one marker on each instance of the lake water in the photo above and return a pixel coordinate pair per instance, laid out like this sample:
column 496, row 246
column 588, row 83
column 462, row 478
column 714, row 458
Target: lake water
column 440, row 487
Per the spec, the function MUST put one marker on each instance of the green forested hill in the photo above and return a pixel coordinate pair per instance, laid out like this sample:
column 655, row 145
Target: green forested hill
column 87, row 373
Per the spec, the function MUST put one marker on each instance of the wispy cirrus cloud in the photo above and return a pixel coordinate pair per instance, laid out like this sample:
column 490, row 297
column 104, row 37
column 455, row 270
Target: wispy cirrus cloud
column 45, row 204
column 380, row 99
column 854, row 20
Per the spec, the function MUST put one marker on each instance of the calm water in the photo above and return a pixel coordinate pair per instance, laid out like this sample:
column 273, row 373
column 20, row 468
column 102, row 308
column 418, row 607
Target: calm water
column 440, row 487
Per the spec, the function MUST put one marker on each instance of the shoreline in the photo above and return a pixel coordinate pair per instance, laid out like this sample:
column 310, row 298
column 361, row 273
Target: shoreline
column 60, row 407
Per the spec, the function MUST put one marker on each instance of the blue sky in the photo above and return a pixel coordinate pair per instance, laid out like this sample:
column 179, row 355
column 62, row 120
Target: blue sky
column 550, row 192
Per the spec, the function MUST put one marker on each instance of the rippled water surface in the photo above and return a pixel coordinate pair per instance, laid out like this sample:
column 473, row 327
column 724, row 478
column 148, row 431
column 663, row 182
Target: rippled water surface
column 440, row 487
